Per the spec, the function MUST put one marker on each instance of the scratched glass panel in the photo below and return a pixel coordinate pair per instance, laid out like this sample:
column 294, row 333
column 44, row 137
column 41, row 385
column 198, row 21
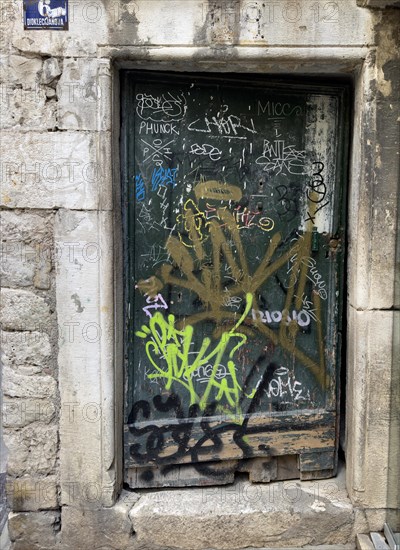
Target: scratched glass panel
column 234, row 199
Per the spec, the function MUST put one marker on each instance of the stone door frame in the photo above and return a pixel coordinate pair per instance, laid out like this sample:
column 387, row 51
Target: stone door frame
column 91, row 383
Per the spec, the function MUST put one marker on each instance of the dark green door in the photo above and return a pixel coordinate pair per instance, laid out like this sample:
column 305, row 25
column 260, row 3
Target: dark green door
column 233, row 208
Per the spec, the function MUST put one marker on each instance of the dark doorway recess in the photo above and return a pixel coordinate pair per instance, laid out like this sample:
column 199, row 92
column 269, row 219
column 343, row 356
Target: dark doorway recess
column 233, row 206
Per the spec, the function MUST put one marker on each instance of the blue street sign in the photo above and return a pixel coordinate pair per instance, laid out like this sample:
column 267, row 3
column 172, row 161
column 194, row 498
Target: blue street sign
column 46, row 14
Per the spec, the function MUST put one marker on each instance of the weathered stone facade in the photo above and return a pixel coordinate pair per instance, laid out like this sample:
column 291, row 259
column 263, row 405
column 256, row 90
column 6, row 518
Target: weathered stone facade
column 61, row 271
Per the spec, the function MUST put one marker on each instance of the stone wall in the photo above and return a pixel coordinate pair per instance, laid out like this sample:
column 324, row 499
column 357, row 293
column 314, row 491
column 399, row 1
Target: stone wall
column 29, row 341
column 60, row 297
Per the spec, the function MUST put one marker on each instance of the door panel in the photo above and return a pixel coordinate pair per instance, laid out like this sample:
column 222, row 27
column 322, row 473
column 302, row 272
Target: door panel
column 233, row 204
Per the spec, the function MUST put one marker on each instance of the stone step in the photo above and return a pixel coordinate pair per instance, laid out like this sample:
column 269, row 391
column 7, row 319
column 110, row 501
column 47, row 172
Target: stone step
column 323, row 547
column 295, row 514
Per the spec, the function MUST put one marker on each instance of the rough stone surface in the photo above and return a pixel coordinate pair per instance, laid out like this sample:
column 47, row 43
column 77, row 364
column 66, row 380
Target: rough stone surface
column 47, row 170
column 371, row 409
column 30, row 494
column 350, row 546
column 88, row 350
column 32, row 449
column 26, row 109
column 109, row 528
column 83, row 88
column 254, row 23
column 364, row 543
column 21, row 385
column 374, row 198
column 22, row 310
column 26, row 249
column 18, row 412
column 30, row 349
column 233, row 517
column 122, row 23
column 25, row 226
column 5, row 543
column 21, row 70
column 51, row 70
column 34, row 530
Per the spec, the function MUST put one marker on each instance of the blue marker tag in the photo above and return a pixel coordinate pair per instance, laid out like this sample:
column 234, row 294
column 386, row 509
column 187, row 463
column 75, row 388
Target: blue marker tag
column 46, row 15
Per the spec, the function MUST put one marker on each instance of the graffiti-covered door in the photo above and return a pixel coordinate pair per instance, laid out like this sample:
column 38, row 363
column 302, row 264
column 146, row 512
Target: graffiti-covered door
column 233, row 209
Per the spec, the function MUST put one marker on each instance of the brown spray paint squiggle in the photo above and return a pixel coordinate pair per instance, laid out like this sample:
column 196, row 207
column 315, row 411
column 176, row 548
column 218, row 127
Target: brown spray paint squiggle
column 208, row 285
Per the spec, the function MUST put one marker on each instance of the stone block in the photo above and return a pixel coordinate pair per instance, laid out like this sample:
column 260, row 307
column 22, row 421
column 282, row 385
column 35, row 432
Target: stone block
column 32, row 449
column 51, row 70
column 280, row 514
column 19, row 266
column 373, row 405
column 232, row 23
column 16, row 384
column 17, row 272
column 31, row 494
column 364, row 543
column 24, row 101
column 65, row 170
column 133, row 23
column 26, row 109
column 84, row 95
column 26, row 226
column 23, row 310
column 20, row 412
column 85, row 304
column 26, row 349
column 21, row 70
column 5, row 543
column 109, row 528
column 375, row 173
column 7, row 17
column 26, row 249
column 373, row 256
column 34, row 530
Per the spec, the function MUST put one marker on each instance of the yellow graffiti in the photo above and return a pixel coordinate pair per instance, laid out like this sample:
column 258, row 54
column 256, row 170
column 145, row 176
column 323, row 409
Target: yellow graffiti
column 170, row 352
column 193, row 221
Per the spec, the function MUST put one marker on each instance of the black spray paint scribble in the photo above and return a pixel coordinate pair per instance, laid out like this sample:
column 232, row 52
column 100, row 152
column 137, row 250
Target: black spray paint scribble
column 181, row 431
